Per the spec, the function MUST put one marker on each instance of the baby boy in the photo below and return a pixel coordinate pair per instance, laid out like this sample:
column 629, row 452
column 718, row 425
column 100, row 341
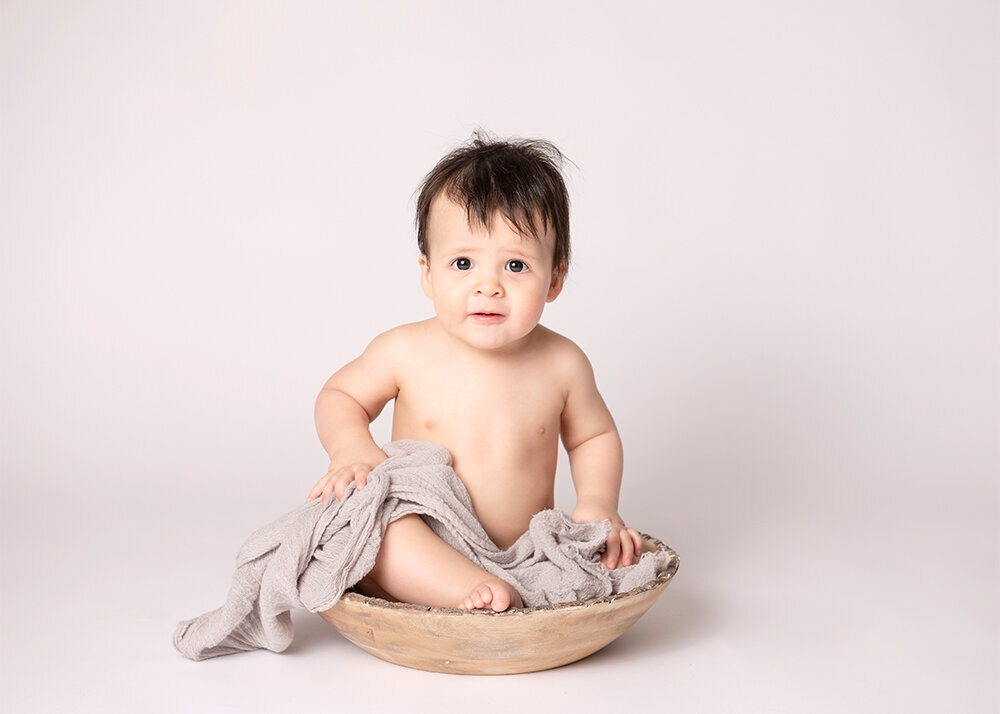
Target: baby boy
column 482, row 378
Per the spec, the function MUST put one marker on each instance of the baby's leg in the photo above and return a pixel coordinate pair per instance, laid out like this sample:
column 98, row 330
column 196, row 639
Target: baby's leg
column 414, row 565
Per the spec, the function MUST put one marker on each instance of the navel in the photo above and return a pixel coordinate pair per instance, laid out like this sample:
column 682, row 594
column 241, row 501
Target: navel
column 541, row 430
column 430, row 425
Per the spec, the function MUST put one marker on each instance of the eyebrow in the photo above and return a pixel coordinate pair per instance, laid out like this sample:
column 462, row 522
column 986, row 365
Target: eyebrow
column 533, row 251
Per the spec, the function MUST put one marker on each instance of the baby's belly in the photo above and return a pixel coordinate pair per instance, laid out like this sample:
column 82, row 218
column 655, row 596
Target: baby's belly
column 504, row 506
column 508, row 480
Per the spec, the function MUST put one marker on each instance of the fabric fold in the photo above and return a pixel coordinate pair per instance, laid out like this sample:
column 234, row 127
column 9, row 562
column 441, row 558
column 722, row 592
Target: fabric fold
column 308, row 557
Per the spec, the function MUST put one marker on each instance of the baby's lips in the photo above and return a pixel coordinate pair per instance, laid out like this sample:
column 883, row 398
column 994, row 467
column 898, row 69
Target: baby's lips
column 486, row 310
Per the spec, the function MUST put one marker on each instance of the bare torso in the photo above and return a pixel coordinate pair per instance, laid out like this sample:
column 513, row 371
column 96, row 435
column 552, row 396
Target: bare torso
column 498, row 414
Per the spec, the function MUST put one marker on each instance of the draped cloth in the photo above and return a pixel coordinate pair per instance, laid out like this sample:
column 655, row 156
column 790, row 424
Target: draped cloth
column 308, row 557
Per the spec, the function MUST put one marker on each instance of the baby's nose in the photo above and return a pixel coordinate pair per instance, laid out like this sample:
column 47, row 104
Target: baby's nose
column 489, row 287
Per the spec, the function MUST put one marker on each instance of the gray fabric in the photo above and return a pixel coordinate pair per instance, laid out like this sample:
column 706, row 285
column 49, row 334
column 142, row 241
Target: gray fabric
column 310, row 556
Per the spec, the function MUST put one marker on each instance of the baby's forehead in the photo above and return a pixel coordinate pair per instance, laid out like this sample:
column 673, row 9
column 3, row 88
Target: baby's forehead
column 449, row 219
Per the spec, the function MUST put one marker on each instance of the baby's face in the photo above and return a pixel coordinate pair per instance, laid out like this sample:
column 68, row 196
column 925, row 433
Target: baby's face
column 489, row 289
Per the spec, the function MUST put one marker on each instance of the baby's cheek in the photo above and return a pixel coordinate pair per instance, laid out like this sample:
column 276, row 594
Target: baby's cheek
column 533, row 311
column 447, row 310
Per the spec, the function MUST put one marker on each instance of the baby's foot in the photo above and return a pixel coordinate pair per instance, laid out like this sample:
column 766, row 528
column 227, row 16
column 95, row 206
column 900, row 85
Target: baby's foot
column 494, row 593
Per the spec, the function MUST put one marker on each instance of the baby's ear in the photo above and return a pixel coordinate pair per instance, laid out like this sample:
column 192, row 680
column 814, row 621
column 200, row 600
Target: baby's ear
column 556, row 286
column 425, row 276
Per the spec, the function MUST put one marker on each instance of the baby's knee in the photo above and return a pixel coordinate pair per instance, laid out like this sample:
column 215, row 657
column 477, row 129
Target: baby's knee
column 395, row 551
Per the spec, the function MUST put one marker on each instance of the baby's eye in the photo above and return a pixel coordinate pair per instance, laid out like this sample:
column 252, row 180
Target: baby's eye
column 462, row 263
column 516, row 266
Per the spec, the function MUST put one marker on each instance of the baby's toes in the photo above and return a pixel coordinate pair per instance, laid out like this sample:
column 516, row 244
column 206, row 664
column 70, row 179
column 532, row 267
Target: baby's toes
column 475, row 600
column 500, row 599
column 483, row 596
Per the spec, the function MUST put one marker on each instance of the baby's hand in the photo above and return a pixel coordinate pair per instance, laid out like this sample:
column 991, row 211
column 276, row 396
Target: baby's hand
column 353, row 467
column 624, row 545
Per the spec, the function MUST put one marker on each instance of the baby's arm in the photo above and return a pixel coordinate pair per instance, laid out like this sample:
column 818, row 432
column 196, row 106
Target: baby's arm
column 595, row 458
column 349, row 401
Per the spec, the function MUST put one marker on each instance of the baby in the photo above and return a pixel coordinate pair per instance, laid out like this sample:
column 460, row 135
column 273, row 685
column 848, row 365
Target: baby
column 482, row 378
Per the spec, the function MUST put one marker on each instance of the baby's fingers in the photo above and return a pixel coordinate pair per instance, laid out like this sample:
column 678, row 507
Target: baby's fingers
column 636, row 541
column 318, row 490
column 631, row 545
column 612, row 550
column 328, row 485
column 358, row 474
column 625, row 547
column 343, row 478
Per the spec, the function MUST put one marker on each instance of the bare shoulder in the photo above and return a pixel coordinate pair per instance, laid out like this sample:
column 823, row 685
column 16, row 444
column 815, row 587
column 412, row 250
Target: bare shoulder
column 374, row 377
column 399, row 340
column 559, row 346
column 565, row 357
column 380, row 362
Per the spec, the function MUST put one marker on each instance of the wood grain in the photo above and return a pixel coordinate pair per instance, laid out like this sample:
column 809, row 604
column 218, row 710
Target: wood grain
column 485, row 642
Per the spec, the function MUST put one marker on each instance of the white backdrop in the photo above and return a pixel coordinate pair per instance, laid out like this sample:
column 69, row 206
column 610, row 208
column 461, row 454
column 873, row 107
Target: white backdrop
column 785, row 232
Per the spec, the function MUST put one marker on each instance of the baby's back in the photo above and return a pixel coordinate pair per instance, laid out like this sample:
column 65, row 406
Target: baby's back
column 498, row 414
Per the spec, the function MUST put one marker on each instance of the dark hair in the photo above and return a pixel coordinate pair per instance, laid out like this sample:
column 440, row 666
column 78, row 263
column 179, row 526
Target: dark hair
column 521, row 178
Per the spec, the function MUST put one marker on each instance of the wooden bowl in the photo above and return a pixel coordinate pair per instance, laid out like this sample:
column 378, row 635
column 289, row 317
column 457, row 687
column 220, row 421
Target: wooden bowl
column 486, row 642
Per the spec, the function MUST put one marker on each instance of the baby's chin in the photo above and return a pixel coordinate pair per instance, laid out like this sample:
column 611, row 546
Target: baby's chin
column 490, row 335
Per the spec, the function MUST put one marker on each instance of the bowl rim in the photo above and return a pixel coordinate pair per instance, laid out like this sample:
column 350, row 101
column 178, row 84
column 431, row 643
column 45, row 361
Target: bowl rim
column 670, row 565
